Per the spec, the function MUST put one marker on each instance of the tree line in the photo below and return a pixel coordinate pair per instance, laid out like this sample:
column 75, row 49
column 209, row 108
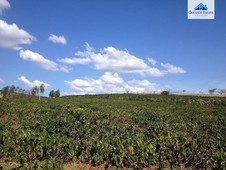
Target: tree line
column 215, row 90
column 8, row 91
column 54, row 94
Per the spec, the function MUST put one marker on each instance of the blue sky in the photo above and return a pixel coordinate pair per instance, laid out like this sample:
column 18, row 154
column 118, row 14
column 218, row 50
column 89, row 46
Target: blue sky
column 114, row 46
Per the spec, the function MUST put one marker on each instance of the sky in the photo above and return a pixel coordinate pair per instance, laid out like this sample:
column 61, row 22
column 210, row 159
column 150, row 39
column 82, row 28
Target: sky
column 114, row 46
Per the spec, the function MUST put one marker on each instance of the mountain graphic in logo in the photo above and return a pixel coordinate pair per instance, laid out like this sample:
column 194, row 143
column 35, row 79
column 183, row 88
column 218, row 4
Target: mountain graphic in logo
column 201, row 6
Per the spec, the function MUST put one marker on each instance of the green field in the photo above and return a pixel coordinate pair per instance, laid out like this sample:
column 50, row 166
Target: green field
column 113, row 131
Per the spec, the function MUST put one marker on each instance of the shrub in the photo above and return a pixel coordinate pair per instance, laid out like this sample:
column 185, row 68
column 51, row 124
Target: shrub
column 165, row 92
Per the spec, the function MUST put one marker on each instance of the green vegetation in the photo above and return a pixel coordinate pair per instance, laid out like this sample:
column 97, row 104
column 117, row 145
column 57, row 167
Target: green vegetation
column 54, row 94
column 165, row 92
column 8, row 91
column 128, row 130
column 37, row 90
column 12, row 91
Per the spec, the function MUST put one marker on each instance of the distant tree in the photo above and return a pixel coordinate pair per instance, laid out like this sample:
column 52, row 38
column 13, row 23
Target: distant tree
column 57, row 93
column 27, row 92
column 127, row 90
column 211, row 91
column 165, row 92
column 34, row 91
column 222, row 91
column 6, row 91
column 183, row 91
column 42, row 88
column 51, row 93
column 12, row 89
column 17, row 89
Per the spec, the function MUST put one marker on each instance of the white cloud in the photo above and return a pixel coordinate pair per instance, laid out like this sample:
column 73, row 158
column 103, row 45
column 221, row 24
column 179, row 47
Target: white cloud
column 171, row 69
column 42, row 62
column 109, row 78
column 75, row 60
column 152, row 61
column 4, row 4
column 32, row 84
column 110, row 83
column 115, row 60
column 39, row 60
column 57, row 39
column 12, row 37
column 65, row 68
column 112, row 59
column 142, row 86
column 1, row 80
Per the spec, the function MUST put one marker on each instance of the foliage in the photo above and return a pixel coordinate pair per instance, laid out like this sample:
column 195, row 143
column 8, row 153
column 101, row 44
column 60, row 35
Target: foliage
column 42, row 88
column 38, row 89
column 211, row 91
column 222, row 91
column 8, row 91
column 54, row 94
column 57, row 93
column 133, row 131
column 34, row 91
column 165, row 92
column 51, row 93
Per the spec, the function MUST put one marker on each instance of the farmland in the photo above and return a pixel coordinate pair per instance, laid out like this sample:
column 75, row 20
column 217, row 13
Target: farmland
column 113, row 131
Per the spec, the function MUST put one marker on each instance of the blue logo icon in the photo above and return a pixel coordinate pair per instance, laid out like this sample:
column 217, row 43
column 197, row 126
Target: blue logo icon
column 201, row 6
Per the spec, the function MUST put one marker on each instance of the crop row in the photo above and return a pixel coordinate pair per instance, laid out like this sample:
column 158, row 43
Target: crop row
column 121, row 133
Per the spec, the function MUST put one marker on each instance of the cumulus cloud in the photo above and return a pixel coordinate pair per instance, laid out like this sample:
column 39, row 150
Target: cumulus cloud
column 171, row 69
column 4, row 4
column 39, row 60
column 64, row 68
column 13, row 37
column 1, row 80
column 110, row 83
column 111, row 79
column 152, row 61
column 42, row 62
column 75, row 60
column 57, row 39
column 114, row 60
column 32, row 84
column 141, row 86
